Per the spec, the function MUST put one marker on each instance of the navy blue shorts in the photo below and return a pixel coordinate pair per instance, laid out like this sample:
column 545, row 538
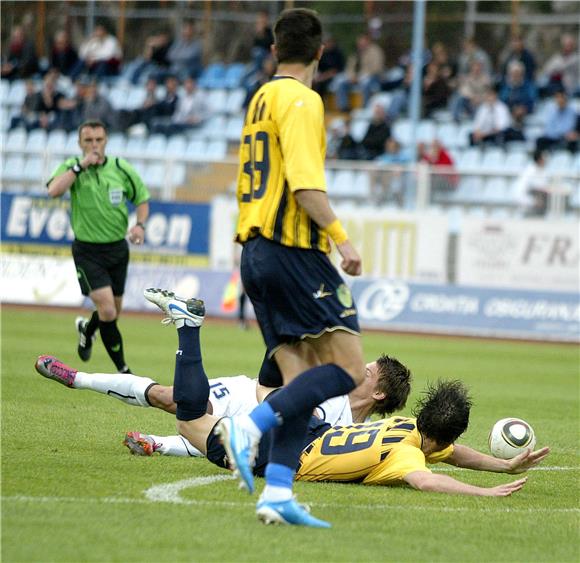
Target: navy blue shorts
column 295, row 292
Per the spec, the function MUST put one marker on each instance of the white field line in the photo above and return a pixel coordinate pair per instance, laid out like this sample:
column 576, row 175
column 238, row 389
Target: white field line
column 169, row 493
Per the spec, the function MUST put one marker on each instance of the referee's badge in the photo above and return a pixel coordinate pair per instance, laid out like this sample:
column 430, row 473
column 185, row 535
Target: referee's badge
column 344, row 295
column 116, row 196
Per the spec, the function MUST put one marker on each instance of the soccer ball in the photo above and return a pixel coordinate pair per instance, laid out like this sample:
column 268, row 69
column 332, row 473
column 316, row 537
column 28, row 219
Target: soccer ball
column 510, row 437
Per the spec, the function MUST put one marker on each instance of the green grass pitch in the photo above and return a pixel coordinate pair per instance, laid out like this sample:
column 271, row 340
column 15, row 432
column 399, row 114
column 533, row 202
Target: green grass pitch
column 71, row 491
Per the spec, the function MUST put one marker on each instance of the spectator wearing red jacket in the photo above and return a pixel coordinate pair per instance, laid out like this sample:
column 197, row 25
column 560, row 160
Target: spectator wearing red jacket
column 436, row 156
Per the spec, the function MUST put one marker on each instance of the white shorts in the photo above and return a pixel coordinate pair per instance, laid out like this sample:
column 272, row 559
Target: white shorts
column 232, row 395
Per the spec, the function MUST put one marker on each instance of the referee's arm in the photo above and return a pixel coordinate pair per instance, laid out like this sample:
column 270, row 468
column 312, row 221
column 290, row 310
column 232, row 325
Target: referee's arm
column 61, row 183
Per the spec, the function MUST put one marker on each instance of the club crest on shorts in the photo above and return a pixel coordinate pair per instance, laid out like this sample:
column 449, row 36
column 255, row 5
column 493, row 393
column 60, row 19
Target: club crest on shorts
column 344, row 295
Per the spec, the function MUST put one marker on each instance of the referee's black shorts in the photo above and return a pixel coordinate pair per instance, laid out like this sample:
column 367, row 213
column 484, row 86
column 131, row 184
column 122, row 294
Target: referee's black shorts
column 101, row 265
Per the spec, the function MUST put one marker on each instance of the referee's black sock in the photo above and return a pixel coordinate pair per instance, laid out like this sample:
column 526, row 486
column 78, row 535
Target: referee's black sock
column 113, row 343
column 92, row 326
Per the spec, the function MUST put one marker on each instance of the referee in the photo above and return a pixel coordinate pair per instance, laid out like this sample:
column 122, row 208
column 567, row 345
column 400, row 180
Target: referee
column 100, row 187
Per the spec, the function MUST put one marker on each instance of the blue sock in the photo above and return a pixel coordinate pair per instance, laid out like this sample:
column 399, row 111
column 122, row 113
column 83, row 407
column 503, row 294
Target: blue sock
column 279, row 475
column 190, row 384
column 309, row 389
column 264, row 417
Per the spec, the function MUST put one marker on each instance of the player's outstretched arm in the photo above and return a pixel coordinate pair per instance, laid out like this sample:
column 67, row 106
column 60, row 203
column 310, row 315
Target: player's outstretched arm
column 435, row 483
column 468, row 458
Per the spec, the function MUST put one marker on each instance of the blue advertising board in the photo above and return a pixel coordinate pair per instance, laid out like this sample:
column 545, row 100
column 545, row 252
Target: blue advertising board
column 178, row 228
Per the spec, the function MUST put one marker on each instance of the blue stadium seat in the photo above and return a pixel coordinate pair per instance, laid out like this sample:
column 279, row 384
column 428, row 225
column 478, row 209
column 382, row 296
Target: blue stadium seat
column 402, row 131
column 463, row 134
column 72, row 144
column 135, row 97
column 154, row 175
column 216, row 150
column 178, row 173
column 196, row 149
column 470, row 159
column 235, row 100
column 16, row 94
column 135, row 147
column 234, row 75
column 362, row 185
column 16, row 140
column 469, row 191
column 217, row 100
column 342, row 185
column 493, row 160
column 156, row 145
column 117, row 144
column 234, row 128
column 426, row 131
column 496, row 190
column 36, row 141
column 4, row 91
column 213, row 76
column 14, row 168
column 176, row 146
column 448, row 134
column 118, row 98
column 34, row 170
column 516, row 161
column 140, row 167
column 215, row 127
column 329, row 176
column 560, row 162
column 56, row 141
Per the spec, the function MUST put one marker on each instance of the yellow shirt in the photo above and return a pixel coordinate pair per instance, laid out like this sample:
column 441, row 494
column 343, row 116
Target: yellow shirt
column 282, row 150
column 372, row 453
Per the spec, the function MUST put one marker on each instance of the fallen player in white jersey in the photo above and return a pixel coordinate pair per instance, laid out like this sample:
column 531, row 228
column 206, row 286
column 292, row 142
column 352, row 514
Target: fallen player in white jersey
column 385, row 390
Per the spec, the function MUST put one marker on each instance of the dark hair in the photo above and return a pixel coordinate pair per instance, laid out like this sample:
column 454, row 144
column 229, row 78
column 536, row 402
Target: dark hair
column 443, row 413
column 298, row 36
column 92, row 123
column 395, row 382
column 538, row 155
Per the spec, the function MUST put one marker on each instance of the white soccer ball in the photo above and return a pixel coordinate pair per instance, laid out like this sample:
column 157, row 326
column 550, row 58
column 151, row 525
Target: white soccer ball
column 510, row 437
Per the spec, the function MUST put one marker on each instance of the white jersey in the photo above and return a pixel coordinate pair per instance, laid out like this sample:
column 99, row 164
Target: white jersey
column 237, row 395
column 232, row 395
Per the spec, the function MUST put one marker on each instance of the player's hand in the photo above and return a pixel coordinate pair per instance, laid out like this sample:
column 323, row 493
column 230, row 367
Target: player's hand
column 137, row 234
column 351, row 261
column 90, row 159
column 526, row 460
column 507, row 489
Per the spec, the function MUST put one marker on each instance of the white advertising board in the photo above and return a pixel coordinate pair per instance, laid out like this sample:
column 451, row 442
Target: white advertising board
column 519, row 254
column 402, row 245
column 39, row 280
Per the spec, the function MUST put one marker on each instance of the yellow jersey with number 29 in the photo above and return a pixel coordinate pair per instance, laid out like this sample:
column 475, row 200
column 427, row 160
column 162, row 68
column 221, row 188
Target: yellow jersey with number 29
column 371, row 453
column 282, row 150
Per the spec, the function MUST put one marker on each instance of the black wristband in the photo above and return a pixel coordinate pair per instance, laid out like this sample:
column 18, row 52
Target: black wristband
column 140, row 225
column 77, row 169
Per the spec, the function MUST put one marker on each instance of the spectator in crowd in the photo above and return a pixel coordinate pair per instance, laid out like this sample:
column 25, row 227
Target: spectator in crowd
column 262, row 40
column 27, row 117
column 47, row 101
column 128, row 118
column 377, row 133
column 470, row 92
column 258, row 79
column 63, row 55
column 440, row 57
column 436, row 88
column 518, row 52
column 561, row 69
column 400, row 97
column 331, row 64
column 191, row 111
column 185, row 54
column 364, row 69
column 153, row 62
column 100, row 54
column 437, row 156
column 341, row 145
column 516, row 91
column 533, row 186
column 96, row 107
column 164, row 108
column 393, row 153
column 70, row 108
column 560, row 127
column 491, row 120
column 472, row 52
column 19, row 59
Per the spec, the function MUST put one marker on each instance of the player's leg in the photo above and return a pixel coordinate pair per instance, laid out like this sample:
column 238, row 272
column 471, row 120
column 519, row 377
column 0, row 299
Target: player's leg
column 148, row 444
column 128, row 388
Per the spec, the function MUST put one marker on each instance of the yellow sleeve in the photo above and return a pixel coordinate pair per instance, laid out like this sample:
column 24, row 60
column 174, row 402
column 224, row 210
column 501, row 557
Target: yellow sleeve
column 302, row 142
column 442, row 455
column 400, row 461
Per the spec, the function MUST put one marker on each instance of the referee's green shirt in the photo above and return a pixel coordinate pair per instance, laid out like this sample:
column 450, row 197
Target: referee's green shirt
column 99, row 199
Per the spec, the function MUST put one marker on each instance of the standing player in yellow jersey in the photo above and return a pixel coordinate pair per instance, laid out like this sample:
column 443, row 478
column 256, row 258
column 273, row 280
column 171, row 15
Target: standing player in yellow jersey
column 305, row 311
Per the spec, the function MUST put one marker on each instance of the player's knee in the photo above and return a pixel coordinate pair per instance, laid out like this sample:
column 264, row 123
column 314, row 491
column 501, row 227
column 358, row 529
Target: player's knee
column 107, row 313
column 161, row 397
